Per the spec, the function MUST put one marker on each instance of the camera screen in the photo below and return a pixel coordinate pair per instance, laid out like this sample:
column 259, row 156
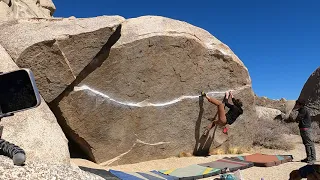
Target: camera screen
column 16, row 92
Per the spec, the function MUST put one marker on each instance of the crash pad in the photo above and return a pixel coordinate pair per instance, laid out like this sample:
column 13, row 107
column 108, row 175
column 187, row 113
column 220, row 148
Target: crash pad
column 192, row 172
column 158, row 175
column 127, row 175
column 228, row 164
column 152, row 175
column 100, row 172
column 265, row 160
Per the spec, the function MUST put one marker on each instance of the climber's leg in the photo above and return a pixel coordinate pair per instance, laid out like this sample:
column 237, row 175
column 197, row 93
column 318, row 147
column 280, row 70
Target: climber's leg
column 222, row 120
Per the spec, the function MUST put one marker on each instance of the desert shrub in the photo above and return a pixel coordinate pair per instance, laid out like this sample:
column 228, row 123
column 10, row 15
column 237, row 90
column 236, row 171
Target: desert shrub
column 315, row 132
column 291, row 128
column 269, row 134
column 266, row 133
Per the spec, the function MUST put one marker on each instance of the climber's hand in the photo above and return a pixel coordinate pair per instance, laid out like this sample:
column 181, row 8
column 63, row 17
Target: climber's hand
column 231, row 94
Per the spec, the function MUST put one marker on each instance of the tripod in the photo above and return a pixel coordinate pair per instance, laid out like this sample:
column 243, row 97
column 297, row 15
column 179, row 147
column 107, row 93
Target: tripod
column 11, row 150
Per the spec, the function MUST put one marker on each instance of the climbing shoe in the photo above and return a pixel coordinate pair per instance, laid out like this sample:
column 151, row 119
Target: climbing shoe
column 225, row 130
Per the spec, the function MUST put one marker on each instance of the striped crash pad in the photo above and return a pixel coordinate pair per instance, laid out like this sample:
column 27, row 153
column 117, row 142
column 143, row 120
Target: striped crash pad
column 100, row 172
column 228, row 164
column 265, row 160
column 192, row 172
column 152, row 175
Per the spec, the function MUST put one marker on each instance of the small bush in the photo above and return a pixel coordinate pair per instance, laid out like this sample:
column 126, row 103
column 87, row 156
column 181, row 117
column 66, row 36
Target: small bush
column 292, row 128
column 269, row 134
column 315, row 132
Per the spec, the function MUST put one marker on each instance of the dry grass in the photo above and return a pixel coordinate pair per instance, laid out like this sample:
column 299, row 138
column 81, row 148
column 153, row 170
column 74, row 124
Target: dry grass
column 185, row 154
column 230, row 150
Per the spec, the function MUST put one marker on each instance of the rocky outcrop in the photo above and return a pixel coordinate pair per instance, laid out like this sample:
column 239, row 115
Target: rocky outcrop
column 16, row 9
column 270, row 103
column 57, row 50
column 311, row 93
column 267, row 113
column 289, row 107
column 35, row 130
column 283, row 105
column 143, row 102
column 40, row 170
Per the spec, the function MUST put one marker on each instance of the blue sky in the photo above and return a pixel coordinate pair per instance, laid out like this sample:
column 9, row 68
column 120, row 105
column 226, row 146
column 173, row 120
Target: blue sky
column 277, row 40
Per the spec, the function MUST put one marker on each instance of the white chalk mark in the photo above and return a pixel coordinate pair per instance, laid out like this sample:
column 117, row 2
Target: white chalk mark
column 154, row 144
column 146, row 103
column 116, row 158
column 123, row 154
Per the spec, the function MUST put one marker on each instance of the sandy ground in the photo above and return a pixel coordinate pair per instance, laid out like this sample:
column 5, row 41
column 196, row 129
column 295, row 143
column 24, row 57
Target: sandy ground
column 280, row 172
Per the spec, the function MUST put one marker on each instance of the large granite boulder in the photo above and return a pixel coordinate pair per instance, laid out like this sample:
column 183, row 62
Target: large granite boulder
column 15, row 9
column 57, row 50
column 143, row 102
column 35, row 130
column 311, row 93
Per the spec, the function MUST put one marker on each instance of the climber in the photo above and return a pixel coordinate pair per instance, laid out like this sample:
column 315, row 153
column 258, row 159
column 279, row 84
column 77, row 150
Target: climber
column 225, row 119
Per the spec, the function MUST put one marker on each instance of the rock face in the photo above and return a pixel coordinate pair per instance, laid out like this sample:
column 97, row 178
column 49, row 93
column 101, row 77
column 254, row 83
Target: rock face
column 289, row 106
column 40, row 170
column 311, row 93
column 35, row 130
column 283, row 105
column 270, row 103
column 15, row 9
column 267, row 113
column 143, row 103
column 56, row 50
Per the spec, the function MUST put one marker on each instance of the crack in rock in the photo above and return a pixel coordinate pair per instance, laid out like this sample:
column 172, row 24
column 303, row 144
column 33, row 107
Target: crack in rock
column 145, row 103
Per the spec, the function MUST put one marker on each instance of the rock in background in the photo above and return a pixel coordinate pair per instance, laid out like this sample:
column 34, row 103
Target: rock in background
column 268, row 105
column 311, row 93
column 17, row 9
column 143, row 103
column 267, row 113
column 35, row 130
